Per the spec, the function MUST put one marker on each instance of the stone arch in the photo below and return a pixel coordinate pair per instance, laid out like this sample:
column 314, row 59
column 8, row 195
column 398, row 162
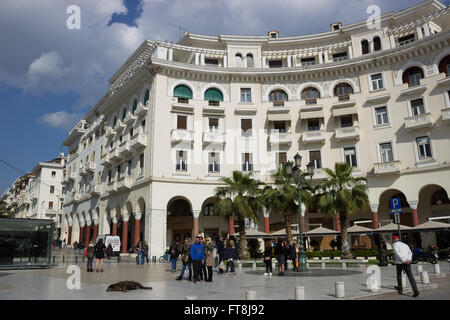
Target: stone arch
column 142, row 95
column 185, row 83
column 277, row 86
column 217, row 86
column 305, row 85
column 210, row 200
column 398, row 80
column 438, row 59
column 173, row 200
column 180, row 219
column 350, row 82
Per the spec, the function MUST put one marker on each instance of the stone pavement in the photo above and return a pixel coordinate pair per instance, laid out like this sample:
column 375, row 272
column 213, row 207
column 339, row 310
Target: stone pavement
column 319, row 284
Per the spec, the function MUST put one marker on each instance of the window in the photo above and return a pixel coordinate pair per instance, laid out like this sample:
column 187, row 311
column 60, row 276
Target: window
column 247, row 162
column 444, row 65
column 133, row 109
column 365, row 47
column 131, row 132
column 53, row 174
column 213, row 96
column 50, row 205
column 250, row 61
column 412, row 76
column 340, row 56
column 310, row 95
column 181, row 163
column 417, row 107
column 376, row 43
column 424, row 147
column 120, row 141
column 208, row 210
column 238, row 60
column 119, row 171
column 143, row 126
column 386, row 152
column 213, row 124
column 350, row 156
column 109, row 176
column 279, row 126
column 114, row 124
column 343, row 91
column 213, row 162
column 381, row 116
column 213, row 62
column 278, row 97
column 377, row 81
column 124, row 114
column 99, row 177
column 246, row 95
column 181, row 122
column 281, row 158
column 52, row 189
column 315, row 158
column 141, row 164
column 346, row 121
column 146, row 97
column 183, row 93
column 313, row 124
column 406, row 39
column 308, row 61
column 129, row 168
column 246, row 127
column 275, row 64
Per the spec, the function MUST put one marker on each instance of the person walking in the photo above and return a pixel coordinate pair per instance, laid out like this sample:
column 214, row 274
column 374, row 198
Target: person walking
column 286, row 253
column 402, row 260
column 109, row 251
column 209, row 259
column 139, row 250
column 280, row 252
column 145, row 252
column 186, row 259
column 99, row 253
column 268, row 258
column 90, row 255
column 197, row 252
column 203, row 273
column 75, row 247
column 293, row 255
column 228, row 256
column 174, row 251
column 220, row 250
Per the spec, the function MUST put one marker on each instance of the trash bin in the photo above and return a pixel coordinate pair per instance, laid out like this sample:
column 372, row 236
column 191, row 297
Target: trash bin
column 383, row 258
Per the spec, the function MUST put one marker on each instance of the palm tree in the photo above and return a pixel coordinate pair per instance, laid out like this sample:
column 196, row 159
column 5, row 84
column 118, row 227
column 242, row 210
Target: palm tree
column 241, row 198
column 283, row 196
column 344, row 195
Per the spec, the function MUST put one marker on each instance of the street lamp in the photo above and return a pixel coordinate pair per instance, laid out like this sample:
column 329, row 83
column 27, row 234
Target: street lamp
column 299, row 180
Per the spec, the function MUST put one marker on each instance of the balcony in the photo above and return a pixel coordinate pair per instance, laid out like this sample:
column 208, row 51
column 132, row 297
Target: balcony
column 446, row 115
column 420, row 121
column 77, row 197
column 120, row 126
column 392, row 167
column 114, row 156
column 124, row 184
column 181, row 136
column 95, row 189
column 83, row 171
column 105, row 161
column 52, row 211
column 319, row 174
column 110, row 133
column 413, row 90
column 317, row 136
column 138, row 142
column 125, row 149
column 111, row 187
column 141, row 110
column 130, row 119
column 211, row 137
column 279, row 138
column 90, row 167
column 347, row 133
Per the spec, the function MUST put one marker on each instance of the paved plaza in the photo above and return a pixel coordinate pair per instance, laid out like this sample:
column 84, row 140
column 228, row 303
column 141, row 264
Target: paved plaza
column 318, row 283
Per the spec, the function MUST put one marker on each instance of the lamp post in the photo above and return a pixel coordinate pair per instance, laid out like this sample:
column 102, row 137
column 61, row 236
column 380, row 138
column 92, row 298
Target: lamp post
column 299, row 179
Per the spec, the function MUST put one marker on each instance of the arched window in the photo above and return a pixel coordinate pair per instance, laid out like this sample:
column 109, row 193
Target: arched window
column 250, row 61
column 365, row 47
column 310, row 95
column 180, row 208
column 183, row 93
column 238, row 60
column 376, row 43
column 444, row 65
column 124, row 114
column 412, row 76
column 278, row 97
column 208, row 210
column 133, row 109
column 146, row 96
column 114, row 121
column 343, row 91
column 214, row 96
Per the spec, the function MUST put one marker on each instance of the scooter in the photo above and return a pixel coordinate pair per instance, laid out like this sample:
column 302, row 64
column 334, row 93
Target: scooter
column 429, row 256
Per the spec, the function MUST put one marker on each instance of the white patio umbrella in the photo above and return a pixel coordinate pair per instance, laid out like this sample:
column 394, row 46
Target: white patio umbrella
column 321, row 231
column 432, row 225
column 253, row 234
column 359, row 229
column 392, row 227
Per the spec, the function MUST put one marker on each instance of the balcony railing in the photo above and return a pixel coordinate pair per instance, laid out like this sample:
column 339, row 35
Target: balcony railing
column 313, row 136
column 181, row 136
column 105, row 161
column 446, row 115
column 141, row 110
column 276, row 137
column 139, row 142
column 124, row 183
column 419, row 121
column 125, row 149
column 114, row 156
column 387, row 167
column 347, row 133
column 213, row 137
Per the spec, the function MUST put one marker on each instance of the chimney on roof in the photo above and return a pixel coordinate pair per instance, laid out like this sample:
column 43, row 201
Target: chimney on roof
column 273, row 34
column 336, row 26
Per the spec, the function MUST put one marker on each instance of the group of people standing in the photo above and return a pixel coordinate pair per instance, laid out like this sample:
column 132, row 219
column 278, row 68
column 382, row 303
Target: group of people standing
column 97, row 251
column 283, row 252
column 142, row 252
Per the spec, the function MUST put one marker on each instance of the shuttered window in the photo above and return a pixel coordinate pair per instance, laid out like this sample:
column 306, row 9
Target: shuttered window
column 246, row 127
column 281, row 158
column 315, row 158
column 181, row 122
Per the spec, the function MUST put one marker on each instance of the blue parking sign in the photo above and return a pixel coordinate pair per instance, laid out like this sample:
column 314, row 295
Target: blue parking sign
column 396, row 205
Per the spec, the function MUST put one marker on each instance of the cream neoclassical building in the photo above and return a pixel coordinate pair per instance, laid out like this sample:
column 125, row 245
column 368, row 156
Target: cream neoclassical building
column 177, row 117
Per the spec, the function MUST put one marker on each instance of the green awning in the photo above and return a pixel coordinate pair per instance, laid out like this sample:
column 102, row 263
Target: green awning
column 213, row 95
column 182, row 91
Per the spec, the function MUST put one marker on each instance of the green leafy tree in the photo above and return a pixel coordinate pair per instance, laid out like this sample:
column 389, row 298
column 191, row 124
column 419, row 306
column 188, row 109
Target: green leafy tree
column 240, row 198
column 342, row 194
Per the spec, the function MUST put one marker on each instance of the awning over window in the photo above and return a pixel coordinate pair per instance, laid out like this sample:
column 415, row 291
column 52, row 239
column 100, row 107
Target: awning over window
column 182, row 91
column 279, row 117
column 311, row 114
column 344, row 111
column 213, row 95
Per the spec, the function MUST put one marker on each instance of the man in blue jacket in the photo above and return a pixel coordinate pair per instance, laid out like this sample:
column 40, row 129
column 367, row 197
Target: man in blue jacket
column 198, row 256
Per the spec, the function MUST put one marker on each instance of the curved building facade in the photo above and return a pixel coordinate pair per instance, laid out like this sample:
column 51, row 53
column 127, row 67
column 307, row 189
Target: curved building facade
column 145, row 160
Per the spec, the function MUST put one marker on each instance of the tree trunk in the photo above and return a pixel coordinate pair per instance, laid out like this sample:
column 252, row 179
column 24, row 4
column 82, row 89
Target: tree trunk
column 287, row 220
column 244, row 254
column 345, row 245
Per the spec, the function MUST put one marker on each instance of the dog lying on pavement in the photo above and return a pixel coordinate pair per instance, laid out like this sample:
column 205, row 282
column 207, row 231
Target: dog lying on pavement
column 124, row 286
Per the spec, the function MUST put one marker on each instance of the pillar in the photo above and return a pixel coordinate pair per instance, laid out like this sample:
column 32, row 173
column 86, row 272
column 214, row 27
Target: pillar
column 426, row 29
column 231, row 225
column 337, row 221
column 114, row 228
column 202, row 59
column 325, row 55
column 225, row 61
column 415, row 217
column 81, row 237
column 320, row 57
column 374, row 208
column 69, row 239
column 170, row 55
column 263, row 62
column 419, row 32
column 124, row 234
column 392, row 40
column 88, row 232
column 197, row 58
column 196, row 214
column 137, row 227
column 95, row 230
column 350, row 52
column 266, row 225
column 289, row 61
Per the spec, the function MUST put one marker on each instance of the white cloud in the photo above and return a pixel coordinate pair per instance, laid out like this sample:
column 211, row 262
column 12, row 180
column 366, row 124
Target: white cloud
column 60, row 119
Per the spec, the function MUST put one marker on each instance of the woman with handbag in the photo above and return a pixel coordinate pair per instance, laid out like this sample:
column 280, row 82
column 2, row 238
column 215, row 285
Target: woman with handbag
column 209, row 258
column 186, row 259
column 268, row 258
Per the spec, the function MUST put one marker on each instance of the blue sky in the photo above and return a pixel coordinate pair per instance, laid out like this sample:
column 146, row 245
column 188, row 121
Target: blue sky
column 51, row 76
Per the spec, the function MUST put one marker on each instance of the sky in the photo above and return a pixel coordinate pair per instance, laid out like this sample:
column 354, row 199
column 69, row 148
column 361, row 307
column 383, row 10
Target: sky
column 50, row 75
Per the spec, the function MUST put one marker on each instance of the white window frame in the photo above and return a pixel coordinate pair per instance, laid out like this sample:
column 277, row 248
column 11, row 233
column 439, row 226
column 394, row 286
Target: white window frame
column 394, row 151
column 356, row 154
column 252, row 95
column 375, row 118
column 174, row 163
column 220, row 162
column 252, row 135
column 446, row 97
column 371, row 88
column 321, row 158
column 416, row 149
column 219, row 125
column 252, row 162
column 416, row 98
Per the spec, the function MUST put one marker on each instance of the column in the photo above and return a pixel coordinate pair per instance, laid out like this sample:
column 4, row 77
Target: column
column 426, row 29
column 225, row 61
column 170, row 54
column 124, row 234
column 325, row 54
column 419, row 32
column 157, row 225
column 392, row 40
column 195, row 215
column 95, row 230
column 69, row 238
column 289, row 61
column 266, row 221
column 263, row 62
column 197, row 58
column 88, row 232
column 415, row 217
column 202, row 59
column 350, row 52
column 320, row 57
column 231, row 225
column 374, row 208
column 137, row 228
column 81, row 237
column 114, row 228
column 337, row 222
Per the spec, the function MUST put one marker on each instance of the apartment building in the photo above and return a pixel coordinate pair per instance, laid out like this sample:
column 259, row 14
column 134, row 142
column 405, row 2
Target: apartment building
column 145, row 160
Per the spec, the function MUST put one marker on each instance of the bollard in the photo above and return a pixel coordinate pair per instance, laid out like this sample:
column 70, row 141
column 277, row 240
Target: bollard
column 76, row 259
column 324, row 265
column 403, row 280
column 437, row 269
column 289, row 264
column 344, row 265
column 250, row 295
column 190, row 298
column 64, row 258
column 424, row 277
column 419, row 269
column 307, row 265
column 299, row 293
column 273, row 264
column 240, row 266
column 118, row 258
column 254, row 265
column 154, row 259
column 54, row 257
column 340, row 290
column 373, row 285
